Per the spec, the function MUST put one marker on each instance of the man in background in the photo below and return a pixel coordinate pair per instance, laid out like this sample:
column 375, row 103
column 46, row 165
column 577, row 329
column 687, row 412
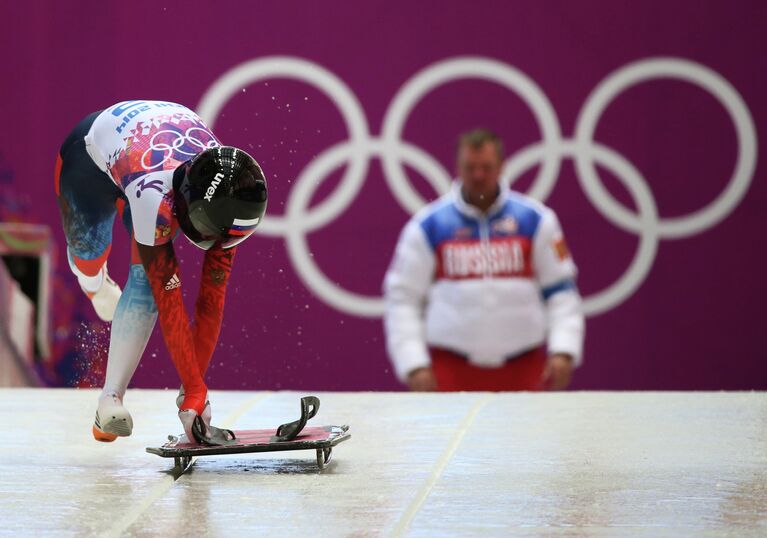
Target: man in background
column 481, row 292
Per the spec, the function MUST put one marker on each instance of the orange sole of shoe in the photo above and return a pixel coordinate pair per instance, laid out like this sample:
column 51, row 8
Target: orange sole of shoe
column 104, row 437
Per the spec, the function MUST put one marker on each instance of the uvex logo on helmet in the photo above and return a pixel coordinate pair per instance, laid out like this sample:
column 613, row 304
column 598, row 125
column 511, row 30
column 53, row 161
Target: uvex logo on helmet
column 213, row 185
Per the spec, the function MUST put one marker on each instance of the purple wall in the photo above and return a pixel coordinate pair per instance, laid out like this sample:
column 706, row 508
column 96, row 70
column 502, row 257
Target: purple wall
column 690, row 317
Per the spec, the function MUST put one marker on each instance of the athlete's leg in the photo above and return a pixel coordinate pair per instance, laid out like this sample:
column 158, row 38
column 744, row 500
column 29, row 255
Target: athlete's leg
column 86, row 198
column 132, row 326
column 133, row 322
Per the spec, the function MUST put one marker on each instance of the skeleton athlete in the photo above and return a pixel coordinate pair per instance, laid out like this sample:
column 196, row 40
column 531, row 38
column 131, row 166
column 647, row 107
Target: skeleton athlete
column 159, row 166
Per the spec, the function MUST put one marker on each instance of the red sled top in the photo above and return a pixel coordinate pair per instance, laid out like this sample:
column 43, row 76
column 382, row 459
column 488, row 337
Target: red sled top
column 263, row 437
column 256, row 441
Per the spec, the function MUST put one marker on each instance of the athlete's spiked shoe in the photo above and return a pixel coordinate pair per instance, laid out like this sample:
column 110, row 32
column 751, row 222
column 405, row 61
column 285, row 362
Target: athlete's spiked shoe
column 112, row 419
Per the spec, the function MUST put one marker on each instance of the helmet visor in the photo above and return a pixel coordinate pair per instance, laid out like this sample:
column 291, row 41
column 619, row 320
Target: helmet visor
column 205, row 233
column 204, row 244
column 210, row 234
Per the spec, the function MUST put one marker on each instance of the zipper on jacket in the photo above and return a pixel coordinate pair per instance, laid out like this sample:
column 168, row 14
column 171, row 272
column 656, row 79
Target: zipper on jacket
column 484, row 237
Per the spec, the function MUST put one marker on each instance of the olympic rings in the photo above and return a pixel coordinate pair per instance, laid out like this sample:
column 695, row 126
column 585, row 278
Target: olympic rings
column 179, row 141
column 549, row 152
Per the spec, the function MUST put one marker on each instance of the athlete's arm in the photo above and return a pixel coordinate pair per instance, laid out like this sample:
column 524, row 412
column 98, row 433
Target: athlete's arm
column 209, row 309
column 161, row 266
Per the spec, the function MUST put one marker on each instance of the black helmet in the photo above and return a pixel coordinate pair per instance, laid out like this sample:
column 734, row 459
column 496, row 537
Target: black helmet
column 220, row 197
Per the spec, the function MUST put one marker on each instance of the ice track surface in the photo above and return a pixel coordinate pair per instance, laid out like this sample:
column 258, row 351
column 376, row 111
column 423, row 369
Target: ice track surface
column 568, row 464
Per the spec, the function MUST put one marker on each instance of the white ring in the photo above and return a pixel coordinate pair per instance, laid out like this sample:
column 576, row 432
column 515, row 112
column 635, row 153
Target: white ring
column 253, row 71
column 298, row 248
column 455, row 69
column 634, row 73
column 637, row 187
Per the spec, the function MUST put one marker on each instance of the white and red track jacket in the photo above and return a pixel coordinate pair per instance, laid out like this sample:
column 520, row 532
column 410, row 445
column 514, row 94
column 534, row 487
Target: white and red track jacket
column 486, row 285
